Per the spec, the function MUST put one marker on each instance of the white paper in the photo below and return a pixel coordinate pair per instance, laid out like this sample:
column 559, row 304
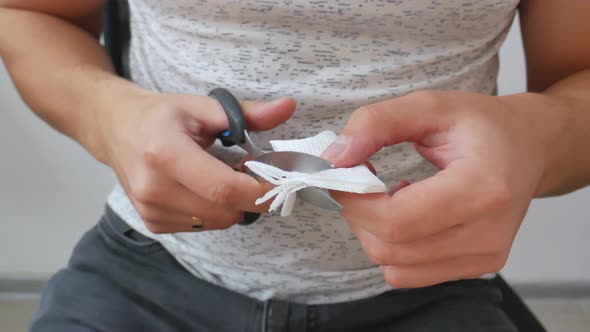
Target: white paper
column 358, row 179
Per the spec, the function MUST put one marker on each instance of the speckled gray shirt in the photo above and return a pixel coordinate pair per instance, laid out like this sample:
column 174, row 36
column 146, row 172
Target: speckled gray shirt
column 332, row 56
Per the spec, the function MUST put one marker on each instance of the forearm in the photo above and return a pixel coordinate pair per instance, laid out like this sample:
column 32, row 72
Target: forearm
column 564, row 110
column 61, row 72
column 555, row 40
column 569, row 169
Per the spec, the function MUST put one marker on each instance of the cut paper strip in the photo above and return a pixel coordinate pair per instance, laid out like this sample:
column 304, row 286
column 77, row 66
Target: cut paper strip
column 358, row 179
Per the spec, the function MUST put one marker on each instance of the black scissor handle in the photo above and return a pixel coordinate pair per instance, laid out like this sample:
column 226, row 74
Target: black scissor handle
column 249, row 218
column 235, row 117
column 235, row 134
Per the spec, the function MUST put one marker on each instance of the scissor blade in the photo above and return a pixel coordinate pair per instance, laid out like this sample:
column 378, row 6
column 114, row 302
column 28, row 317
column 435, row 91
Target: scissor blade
column 319, row 197
column 303, row 163
column 253, row 150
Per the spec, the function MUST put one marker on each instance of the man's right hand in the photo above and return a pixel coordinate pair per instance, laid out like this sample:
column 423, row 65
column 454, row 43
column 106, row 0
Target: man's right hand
column 156, row 145
column 154, row 142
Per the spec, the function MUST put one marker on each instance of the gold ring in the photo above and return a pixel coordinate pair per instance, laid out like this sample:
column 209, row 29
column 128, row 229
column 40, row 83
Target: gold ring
column 197, row 223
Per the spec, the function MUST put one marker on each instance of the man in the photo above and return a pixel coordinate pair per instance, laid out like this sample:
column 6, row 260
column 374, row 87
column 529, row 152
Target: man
column 168, row 255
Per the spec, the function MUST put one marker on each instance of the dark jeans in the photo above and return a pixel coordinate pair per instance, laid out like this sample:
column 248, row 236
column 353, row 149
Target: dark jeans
column 119, row 280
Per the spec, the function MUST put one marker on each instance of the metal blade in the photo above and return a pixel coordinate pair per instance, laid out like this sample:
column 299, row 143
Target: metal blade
column 304, row 163
column 319, row 197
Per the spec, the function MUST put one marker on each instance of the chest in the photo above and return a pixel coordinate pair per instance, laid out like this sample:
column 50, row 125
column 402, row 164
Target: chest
column 424, row 17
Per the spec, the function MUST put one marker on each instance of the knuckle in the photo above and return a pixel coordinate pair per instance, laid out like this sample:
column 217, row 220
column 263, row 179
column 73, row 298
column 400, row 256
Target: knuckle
column 366, row 116
column 394, row 277
column 154, row 227
column 156, row 154
column 505, row 245
column 392, row 255
column 142, row 210
column 378, row 254
column 221, row 194
column 143, row 189
column 430, row 99
column 148, row 214
column 499, row 243
column 497, row 263
column 402, row 256
column 395, row 232
column 498, row 195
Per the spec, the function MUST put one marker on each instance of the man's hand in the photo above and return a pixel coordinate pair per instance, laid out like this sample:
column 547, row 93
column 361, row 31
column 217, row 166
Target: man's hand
column 460, row 223
column 155, row 143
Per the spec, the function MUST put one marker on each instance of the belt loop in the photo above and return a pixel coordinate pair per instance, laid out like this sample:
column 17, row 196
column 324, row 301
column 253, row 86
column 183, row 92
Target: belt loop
column 264, row 316
column 311, row 318
column 276, row 316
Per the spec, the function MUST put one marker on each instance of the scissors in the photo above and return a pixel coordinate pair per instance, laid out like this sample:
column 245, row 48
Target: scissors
column 237, row 134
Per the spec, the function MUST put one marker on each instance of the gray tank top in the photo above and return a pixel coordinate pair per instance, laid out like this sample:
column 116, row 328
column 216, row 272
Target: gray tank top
column 332, row 56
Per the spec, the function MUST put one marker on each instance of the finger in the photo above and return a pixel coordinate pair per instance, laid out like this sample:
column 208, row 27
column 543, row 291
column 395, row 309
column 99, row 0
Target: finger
column 206, row 114
column 185, row 203
column 241, row 165
column 265, row 116
column 176, row 223
column 182, row 200
column 184, row 161
column 161, row 220
column 371, row 167
column 423, row 275
column 370, row 128
column 398, row 186
column 169, row 195
column 453, row 196
column 461, row 240
column 152, row 190
column 412, row 213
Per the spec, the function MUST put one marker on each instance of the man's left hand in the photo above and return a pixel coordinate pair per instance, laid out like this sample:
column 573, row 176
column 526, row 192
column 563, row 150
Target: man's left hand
column 461, row 222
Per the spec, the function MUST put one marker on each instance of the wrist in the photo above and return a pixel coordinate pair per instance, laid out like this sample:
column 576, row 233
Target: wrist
column 114, row 101
column 561, row 125
column 560, row 152
column 569, row 167
column 548, row 122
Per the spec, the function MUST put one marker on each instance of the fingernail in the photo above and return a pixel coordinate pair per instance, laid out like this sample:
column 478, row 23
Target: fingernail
column 277, row 101
column 269, row 104
column 274, row 102
column 336, row 148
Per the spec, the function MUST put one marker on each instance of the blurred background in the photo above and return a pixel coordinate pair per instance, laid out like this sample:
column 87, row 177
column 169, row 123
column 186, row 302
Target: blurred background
column 51, row 191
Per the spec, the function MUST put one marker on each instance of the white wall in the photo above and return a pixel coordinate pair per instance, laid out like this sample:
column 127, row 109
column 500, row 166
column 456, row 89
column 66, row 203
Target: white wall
column 51, row 191
column 552, row 245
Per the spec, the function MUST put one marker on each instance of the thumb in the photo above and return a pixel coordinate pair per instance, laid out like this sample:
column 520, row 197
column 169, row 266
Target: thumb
column 259, row 115
column 372, row 127
column 264, row 116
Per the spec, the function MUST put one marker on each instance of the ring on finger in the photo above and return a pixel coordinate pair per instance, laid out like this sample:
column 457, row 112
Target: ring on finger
column 197, row 223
